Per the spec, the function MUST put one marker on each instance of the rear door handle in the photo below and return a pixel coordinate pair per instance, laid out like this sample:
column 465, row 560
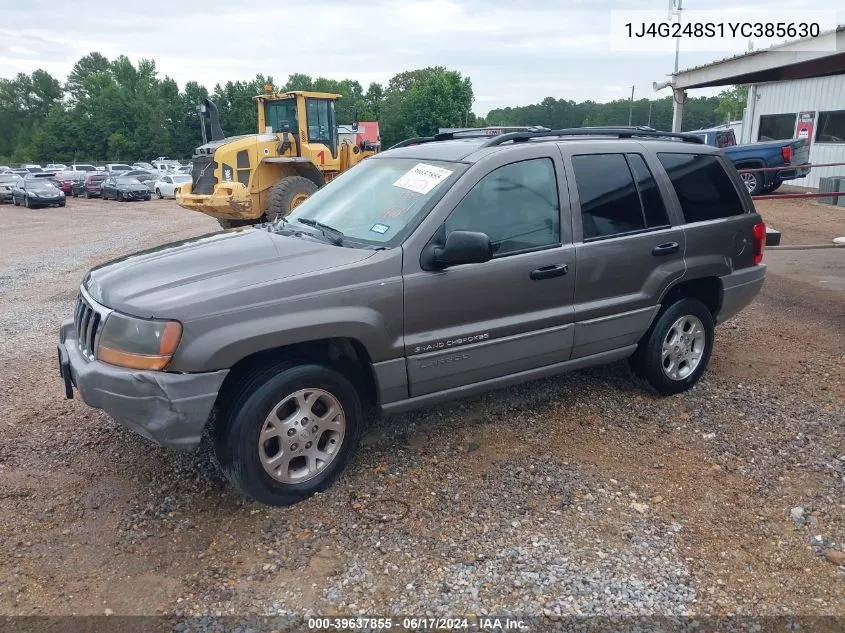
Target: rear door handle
column 666, row 249
column 547, row 272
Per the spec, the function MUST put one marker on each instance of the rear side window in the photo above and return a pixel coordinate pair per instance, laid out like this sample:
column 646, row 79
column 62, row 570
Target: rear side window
column 612, row 201
column 704, row 188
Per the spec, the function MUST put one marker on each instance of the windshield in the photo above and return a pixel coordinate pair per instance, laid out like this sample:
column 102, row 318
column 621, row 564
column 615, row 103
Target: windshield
column 84, row 167
column 40, row 185
column 180, row 179
column 275, row 112
column 379, row 199
column 9, row 178
column 128, row 181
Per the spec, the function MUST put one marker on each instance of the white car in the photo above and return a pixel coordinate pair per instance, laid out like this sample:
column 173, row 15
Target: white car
column 55, row 167
column 165, row 186
column 82, row 167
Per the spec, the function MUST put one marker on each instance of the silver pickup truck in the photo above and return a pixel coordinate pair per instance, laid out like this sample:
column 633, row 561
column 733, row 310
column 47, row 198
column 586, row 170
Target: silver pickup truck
column 441, row 268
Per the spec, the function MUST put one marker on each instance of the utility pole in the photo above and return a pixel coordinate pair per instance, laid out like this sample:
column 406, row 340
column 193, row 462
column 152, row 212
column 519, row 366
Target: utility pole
column 677, row 7
column 631, row 107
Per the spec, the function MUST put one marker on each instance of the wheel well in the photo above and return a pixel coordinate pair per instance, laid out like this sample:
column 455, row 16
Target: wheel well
column 310, row 171
column 346, row 355
column 708, row 290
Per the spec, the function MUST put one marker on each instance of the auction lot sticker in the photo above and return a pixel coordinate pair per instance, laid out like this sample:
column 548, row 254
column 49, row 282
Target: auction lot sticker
column 422, row 178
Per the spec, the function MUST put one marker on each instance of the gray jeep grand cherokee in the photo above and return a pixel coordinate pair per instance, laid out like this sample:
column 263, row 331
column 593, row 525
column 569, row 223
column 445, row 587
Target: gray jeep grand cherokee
column 441, row 268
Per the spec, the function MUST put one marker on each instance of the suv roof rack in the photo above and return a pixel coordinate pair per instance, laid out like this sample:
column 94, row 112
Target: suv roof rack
column 470, row 132
column 619, row 132
column 526, row 133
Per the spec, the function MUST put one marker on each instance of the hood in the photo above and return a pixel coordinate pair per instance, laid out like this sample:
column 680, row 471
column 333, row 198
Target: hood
column 167, row 281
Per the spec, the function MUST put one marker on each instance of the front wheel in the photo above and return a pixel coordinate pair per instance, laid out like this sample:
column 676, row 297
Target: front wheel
column 27, row 203
column 158, row 193
column 674, row 353
column 288, row 431
column 287, row 194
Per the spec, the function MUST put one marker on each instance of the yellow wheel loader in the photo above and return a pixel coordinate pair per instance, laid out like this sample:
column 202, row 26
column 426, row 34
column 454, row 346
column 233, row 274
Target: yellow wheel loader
column 256, row 178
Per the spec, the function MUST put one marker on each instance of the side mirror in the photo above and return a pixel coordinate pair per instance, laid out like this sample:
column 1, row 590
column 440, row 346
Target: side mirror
column 354, row 119
column 461, row 247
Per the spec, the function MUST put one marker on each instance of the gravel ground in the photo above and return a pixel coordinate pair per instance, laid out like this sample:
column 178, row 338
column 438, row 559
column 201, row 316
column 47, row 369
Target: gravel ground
column 581, row 494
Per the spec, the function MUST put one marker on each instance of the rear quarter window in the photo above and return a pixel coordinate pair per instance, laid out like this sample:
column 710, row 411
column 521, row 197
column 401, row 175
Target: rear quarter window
column 704, row 189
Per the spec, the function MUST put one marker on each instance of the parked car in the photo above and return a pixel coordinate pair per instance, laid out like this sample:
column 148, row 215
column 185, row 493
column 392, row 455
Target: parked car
column 787, row 153
column 82, row 167
column 124, row 189
column 143, row 166
column 146, row 177
column 37, row 192
column 7, row 183
column 431, row 271
column 63, row 181
column 93, row 184
column 46, row 175
column 70, row 182
column 4, row 169
column 56, row 167
column 33, row 169
column 165, row 186
column 115, row 168
column 20, row 172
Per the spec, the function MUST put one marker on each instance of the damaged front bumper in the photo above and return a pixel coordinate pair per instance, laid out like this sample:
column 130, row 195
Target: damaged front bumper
column 168, row 408
column 229, row 201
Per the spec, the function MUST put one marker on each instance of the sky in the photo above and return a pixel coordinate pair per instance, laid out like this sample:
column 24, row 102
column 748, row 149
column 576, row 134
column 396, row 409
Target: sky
column 515, row 51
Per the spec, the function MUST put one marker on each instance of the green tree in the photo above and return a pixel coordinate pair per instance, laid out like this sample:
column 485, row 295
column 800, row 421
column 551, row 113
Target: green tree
column 732, row 103
column 418, row 102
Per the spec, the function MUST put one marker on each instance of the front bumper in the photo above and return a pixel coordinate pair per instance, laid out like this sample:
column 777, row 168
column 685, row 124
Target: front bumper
column 168, row 408
column 229, row 201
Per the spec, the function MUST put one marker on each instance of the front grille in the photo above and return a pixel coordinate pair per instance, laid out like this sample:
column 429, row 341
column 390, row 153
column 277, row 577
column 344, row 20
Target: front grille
column 88, row 322
column 202, row 175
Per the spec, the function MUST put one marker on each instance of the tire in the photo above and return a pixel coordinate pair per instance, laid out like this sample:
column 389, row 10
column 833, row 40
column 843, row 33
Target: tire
column 120, row 197
column 649, row 361
column 158, row 193
column 27, row 203
column 15, row 202
column 63, row 204
column 287, row 194
column 753, row 181
column 244, row 417
column 87, row 195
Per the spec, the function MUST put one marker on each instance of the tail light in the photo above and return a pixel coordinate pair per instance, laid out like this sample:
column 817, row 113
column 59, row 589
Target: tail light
column 786, row 152
column 759, row 241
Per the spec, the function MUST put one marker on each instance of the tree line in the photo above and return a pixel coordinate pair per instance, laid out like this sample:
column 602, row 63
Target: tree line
column 118, row 111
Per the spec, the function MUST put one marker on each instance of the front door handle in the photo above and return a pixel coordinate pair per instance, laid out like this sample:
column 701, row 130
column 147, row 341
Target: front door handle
column 547, row 272
column 666, row 249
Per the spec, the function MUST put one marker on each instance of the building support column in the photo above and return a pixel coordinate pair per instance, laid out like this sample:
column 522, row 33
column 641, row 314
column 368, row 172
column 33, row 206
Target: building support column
column 679, row 97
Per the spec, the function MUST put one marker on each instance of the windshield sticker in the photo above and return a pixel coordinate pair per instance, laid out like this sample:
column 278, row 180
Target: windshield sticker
column 380, row 228
column 422, row 178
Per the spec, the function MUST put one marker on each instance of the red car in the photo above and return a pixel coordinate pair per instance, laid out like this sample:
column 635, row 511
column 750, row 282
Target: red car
column 64, row 181
column 94, row 184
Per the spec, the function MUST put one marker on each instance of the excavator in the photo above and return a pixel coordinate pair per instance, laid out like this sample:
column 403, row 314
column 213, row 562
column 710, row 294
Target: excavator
column 256, row 178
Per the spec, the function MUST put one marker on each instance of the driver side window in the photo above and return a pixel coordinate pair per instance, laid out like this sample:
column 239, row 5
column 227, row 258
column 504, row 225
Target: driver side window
column 516, row 205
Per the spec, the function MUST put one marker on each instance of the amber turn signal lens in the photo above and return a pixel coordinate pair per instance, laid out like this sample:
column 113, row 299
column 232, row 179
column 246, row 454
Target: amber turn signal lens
column 170, row 338
column 131, row 361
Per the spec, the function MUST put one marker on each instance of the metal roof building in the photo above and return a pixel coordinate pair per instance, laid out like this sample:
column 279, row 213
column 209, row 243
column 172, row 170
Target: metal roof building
column 793, row 93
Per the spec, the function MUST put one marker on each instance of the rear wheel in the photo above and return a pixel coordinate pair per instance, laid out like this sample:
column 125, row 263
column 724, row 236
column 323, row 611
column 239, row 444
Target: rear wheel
column 287, row 194
column 675, row 351
column 27, row 203
column 753, row 181
column 288, row 432
column 158, row 193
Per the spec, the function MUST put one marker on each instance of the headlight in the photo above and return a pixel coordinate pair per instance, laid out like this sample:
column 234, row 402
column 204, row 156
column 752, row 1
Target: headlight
column 138, row 343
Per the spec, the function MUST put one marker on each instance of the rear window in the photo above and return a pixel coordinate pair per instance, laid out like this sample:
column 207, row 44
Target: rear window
column 704, row 189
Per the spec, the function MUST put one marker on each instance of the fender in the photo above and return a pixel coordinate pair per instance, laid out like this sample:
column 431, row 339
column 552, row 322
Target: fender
column 221, row 347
